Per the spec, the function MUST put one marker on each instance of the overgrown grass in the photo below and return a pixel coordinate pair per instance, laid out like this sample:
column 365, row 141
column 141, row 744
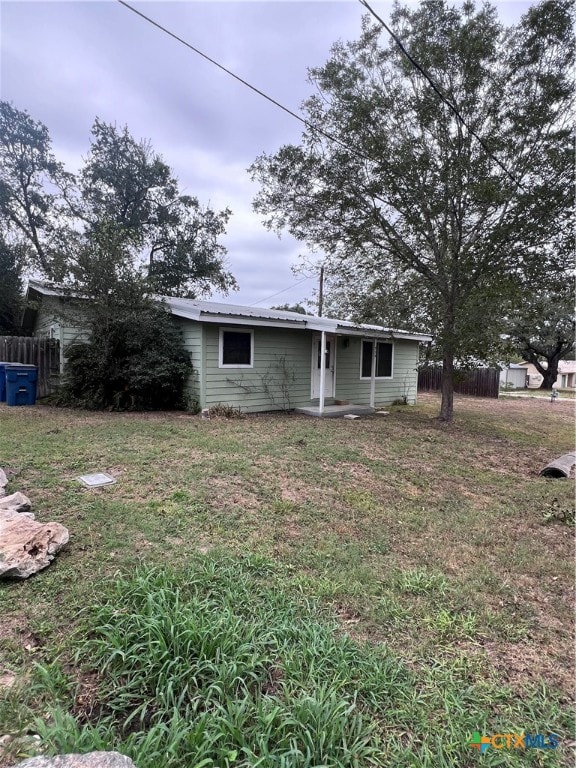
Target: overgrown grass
column 218, row 664
column 438, row 550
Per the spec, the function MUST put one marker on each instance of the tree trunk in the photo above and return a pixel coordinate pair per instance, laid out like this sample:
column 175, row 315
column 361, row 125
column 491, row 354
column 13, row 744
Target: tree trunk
column 447, row 405
column 550, row 375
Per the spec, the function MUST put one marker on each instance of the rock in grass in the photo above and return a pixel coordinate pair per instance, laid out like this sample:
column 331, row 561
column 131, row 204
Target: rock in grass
column 3, row 482
column 16, row 502
column 27, row 546
column 90, row 760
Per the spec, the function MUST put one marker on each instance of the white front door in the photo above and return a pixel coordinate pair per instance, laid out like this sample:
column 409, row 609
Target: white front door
column 329, row 365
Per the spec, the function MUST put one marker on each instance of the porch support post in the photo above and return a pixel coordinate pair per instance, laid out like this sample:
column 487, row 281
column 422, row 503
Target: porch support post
column 322, row 372
column 373, row 374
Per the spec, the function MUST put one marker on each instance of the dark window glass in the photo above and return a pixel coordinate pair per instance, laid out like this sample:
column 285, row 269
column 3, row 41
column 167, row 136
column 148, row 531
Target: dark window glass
column 236, row 348
column 366, row 359
column 383, row 359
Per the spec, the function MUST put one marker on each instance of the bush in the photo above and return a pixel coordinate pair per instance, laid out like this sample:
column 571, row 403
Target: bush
column 223, row 411
column 134, row 360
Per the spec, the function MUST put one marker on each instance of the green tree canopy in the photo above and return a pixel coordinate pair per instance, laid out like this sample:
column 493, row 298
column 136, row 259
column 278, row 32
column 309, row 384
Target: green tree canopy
column 403, row 192
column 117, row 234
column 122, row 213
column 542, row 328
column 291, row 308
column 33, row 211
column 11, row 289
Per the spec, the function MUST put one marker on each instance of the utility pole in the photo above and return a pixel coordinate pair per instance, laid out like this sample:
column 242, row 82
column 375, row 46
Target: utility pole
column 321, row 293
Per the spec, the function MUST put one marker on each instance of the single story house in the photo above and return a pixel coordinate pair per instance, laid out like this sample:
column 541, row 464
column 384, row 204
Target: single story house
column 267, row 359
column 566, row 375
column 534, row 378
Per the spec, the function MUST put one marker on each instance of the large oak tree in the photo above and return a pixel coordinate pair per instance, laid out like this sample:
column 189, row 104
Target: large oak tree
column 389, row 181
column 122, row 214
column 115, row 235
column 542, row 329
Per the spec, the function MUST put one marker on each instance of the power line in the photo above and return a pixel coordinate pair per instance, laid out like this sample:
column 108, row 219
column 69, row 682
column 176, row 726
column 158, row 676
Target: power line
column 442, row 96
column 312, row 126
column 290, row 112
column 279, row 292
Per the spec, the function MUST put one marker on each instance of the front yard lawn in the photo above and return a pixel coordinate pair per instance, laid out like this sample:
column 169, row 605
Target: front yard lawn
column 435, row 552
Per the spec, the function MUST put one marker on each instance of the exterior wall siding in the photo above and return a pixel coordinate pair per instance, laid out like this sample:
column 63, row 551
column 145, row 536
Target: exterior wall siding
column 192, row 334
column 404, row 379
column 260, row 388
column 279, row 379
column 56, row 320
column 47, row 325
column 281, row 374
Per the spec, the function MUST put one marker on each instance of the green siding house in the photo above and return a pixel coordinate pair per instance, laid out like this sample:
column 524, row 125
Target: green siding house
column 266, row 359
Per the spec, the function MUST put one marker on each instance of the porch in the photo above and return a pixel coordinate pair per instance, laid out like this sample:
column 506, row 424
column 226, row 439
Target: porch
column 335, row 411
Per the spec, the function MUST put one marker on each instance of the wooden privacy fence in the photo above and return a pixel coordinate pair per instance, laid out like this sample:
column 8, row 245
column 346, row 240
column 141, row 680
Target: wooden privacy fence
column 481, row 382
column 44, row 353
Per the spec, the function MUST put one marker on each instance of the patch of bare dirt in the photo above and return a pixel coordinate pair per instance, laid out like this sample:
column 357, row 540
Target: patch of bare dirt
column 521, row 663
column 86, row 706
column 232, row 491
column 520, row 405
column 7, row 679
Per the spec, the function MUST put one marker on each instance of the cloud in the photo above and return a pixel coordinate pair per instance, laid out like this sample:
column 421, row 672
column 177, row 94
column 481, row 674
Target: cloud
column 68, row 62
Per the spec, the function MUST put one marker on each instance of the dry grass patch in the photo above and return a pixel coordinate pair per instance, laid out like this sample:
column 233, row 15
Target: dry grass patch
column 343, row 508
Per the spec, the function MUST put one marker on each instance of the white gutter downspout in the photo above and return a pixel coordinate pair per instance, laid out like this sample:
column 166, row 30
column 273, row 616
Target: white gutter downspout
column 322, row 371
column 373, row 374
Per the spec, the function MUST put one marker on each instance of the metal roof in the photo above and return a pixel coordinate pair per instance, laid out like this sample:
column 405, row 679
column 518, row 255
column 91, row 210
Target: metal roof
column 219, row 312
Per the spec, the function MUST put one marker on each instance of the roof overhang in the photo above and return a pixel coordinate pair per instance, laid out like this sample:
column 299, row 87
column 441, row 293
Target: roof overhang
column 215, row 312
column 307, row 323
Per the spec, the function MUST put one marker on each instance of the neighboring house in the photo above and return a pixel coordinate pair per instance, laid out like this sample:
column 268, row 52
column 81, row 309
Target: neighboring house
column 515, row 376
column 534, row 378
column 566, row 375
column 264, row 359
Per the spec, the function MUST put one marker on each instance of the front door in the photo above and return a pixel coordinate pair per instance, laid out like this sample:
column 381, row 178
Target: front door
column 329, row 361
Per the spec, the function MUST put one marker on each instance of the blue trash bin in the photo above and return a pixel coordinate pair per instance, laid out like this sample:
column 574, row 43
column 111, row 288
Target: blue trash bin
column 21, row 384
column 3, row 365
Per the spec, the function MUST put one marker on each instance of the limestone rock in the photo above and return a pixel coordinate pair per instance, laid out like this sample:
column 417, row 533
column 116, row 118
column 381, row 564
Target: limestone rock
column 27, row 546
column 10, row 513
column 90, row 760
column 17, row 502
column 3, row 482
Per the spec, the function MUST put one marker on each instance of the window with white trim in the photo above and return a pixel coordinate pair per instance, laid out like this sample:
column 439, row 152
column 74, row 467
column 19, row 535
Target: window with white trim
column 236, row 349
column 384, row 358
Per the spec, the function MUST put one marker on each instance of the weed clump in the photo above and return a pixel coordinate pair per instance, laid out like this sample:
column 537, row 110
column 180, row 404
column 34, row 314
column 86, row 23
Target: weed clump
column 213, row 667
column 223, row 411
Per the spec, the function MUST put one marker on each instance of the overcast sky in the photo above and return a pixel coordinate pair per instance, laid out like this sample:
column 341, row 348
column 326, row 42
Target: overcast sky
column 68, row 62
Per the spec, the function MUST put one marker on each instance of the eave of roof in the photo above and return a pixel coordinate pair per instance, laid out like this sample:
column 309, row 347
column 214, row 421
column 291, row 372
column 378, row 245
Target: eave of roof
column 219, row 312
column 216, row 312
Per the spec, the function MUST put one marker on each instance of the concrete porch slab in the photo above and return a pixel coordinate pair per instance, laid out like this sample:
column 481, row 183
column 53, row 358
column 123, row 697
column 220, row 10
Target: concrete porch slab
column 336, row 411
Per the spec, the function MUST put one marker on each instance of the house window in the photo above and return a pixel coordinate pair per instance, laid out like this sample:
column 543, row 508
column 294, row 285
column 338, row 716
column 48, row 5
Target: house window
column 384, row 357
column 236, row 349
